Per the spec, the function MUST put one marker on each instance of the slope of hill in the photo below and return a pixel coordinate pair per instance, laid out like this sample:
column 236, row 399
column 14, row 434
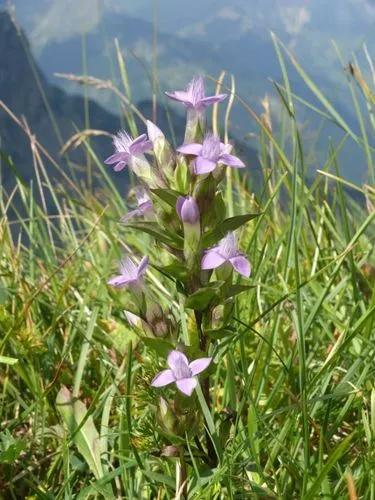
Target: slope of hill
column 53, row 115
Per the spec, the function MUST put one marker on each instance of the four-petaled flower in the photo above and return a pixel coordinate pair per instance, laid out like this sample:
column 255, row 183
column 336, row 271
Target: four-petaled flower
column 144, row 206
column 130, row 273
column 194, row 96
column 226, row 252
column 209, row 154
column 181, row 372
column 127, row 148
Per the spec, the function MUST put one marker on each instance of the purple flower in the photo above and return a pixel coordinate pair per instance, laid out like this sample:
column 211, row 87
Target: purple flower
column 226, row 251
column 130, row 274
column 181, row 371
column 187, row 209
column 194, row 96
column 144, row 206
column 209, row 154
column 126, row 149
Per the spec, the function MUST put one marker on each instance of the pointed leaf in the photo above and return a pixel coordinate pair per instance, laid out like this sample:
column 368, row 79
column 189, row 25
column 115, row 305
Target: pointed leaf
column 87, row 437
column 225, row 226
column 201, row 299
column 161, row 347
column 168, row 195
column 160, row 234
column 234, row 290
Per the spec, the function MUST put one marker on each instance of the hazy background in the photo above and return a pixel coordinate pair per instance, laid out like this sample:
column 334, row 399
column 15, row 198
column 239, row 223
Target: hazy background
column 207, row 36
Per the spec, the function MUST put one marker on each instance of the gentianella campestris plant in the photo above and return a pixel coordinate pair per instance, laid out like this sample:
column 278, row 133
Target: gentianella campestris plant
column 180, row 204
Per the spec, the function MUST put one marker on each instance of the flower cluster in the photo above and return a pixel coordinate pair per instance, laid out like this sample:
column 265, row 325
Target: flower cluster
column 180, row 204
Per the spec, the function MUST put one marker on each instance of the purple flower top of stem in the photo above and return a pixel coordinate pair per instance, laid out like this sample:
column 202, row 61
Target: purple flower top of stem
column 144, row 206
column 130, row 273
column 194, row 96
column 126, row 148
column 226, row 252
column 181, row 372
column 187, row 209
column 209, row 154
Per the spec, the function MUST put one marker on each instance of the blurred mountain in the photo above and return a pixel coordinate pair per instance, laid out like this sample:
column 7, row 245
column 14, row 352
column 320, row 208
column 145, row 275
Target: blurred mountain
column 51, row 114
column 54, row 115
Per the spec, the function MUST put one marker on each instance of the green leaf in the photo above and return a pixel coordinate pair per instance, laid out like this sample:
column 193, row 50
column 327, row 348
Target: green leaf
column 168, row 195
column 201, row 299
column 160, row 346
column 252, row 429
column 10, row 448
column 87, row 437
column 219, row 333
column 333, row 458
column 233, row 290
column 8, row 361
column 160, row 234
column 175, row 269
column 225, row 226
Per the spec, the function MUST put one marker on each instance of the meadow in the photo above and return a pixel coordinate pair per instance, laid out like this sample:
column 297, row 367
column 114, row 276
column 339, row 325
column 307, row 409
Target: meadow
column 290, row 407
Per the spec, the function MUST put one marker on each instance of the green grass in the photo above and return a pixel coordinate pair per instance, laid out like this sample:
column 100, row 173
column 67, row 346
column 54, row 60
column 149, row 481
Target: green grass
column 293, row 413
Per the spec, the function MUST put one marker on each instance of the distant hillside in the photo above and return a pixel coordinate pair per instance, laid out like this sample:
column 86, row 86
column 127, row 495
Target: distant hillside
column 25, row 90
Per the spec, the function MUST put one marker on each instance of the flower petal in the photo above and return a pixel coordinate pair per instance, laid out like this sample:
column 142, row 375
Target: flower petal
column 141, row 138
column 163, row 378
column 241, row 265
column 190, row 149
column 180, row 96
column 211, row 260
column 118, row 281
column 176, row 359
column 231, row 160
column 187, row 385
column 115, row 158
column 142, row 267
column 213, row 99
column 203, row 166
column 120, row 166
column 225, row 148
column 140, row 145
column 132, row 213
column 198, row 365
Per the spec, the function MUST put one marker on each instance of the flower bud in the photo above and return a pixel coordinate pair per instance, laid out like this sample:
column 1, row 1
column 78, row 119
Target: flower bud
column 170, row 451
column 138, row 323
column 187, row 209
column 162, row 151
column 166, row 418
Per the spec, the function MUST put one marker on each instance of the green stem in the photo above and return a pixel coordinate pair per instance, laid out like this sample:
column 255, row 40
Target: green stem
column 182, row 487
column 203, row 344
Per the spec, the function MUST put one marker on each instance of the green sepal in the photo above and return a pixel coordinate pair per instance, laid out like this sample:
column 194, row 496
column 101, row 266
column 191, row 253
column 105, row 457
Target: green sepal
column 182, row 176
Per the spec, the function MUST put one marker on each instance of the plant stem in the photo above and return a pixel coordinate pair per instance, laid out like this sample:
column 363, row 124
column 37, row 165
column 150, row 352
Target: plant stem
column 206, row 387
column 182, row 486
